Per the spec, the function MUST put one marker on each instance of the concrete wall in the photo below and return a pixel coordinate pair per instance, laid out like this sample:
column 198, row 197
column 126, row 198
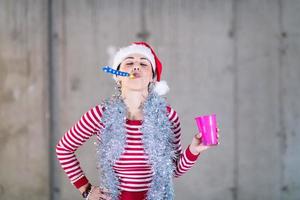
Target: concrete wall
column 24, row 135
column 236, row 58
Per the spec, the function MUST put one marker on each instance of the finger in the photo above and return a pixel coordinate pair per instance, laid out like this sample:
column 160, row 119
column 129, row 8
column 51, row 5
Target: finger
column 105, row 193
column 205, row 147
column 199, row 135
column 93, row 191
column 218, row 130
column 104, row 190
column 103, row 196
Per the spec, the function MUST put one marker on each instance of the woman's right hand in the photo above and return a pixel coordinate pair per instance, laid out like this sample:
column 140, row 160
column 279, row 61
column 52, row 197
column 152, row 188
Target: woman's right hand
column 98, row 193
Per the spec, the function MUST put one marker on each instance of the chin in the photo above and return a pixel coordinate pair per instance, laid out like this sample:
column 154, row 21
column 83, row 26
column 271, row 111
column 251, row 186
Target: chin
column 137, row 87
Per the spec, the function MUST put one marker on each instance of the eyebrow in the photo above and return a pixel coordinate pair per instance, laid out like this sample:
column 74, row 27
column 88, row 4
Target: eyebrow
column 133, row 58
column 128, row 58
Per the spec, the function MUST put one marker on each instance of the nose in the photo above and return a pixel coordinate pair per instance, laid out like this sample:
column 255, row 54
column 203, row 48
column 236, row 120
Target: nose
column 136, row 68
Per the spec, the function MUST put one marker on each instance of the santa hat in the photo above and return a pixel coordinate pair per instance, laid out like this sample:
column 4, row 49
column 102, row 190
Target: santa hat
column 146, row 50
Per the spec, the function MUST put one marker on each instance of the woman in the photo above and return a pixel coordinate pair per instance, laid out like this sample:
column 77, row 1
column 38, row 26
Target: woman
column 138, row 133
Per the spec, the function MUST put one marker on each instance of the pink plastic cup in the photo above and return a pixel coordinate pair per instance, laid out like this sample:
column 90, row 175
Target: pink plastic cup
column 207, row 125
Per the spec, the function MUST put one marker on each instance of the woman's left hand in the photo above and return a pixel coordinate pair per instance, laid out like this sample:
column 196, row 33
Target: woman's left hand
column 197, row 146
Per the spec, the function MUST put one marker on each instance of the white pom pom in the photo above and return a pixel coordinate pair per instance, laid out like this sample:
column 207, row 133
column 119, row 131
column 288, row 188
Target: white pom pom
column 161, row 87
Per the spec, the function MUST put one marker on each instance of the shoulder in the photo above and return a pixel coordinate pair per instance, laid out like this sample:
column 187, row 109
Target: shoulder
column 96, row 111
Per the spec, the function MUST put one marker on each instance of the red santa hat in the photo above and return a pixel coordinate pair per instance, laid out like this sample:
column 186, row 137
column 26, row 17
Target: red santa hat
column 146, row 50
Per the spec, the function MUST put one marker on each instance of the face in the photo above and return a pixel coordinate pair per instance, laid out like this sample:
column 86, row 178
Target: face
column 142, row 70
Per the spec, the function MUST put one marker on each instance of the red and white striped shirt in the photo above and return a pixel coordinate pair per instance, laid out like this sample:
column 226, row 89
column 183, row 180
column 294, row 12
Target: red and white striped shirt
column 132, row 168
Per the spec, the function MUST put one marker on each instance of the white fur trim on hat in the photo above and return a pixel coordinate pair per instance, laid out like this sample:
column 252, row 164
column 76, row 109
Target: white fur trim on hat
column 161, row 87
column 134, row 48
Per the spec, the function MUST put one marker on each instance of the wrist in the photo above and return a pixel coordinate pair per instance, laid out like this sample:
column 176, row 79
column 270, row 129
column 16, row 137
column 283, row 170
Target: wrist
column 191, row 156
column 193, row 151
column 81, row 183
column 85, row 190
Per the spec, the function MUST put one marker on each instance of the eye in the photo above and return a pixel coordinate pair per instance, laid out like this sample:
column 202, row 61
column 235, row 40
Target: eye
column 129, row 63
column 144, row 64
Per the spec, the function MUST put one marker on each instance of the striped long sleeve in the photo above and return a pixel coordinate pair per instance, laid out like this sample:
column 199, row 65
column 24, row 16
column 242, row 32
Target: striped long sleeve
column 185, row 158
column 88, row 125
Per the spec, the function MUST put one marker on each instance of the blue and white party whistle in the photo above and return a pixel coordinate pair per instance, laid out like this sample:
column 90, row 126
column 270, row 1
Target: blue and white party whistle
column 116, row 72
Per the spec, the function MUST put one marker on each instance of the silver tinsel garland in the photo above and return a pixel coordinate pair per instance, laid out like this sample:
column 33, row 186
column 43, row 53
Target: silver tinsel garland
column 158, row 143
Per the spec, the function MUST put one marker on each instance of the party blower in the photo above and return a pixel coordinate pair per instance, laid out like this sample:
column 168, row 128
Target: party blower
column 117, row 72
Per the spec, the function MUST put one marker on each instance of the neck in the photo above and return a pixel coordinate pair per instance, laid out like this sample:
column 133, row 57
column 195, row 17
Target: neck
column 134, row 98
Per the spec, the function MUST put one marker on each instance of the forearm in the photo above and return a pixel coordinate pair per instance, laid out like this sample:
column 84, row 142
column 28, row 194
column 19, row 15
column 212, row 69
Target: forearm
column 185, row 162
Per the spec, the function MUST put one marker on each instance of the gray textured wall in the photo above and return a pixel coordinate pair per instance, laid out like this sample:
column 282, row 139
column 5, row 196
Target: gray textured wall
column 24, row 136
column 237, row 58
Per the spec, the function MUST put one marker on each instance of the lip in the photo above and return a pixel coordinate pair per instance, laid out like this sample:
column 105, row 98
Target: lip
column 136, row 75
